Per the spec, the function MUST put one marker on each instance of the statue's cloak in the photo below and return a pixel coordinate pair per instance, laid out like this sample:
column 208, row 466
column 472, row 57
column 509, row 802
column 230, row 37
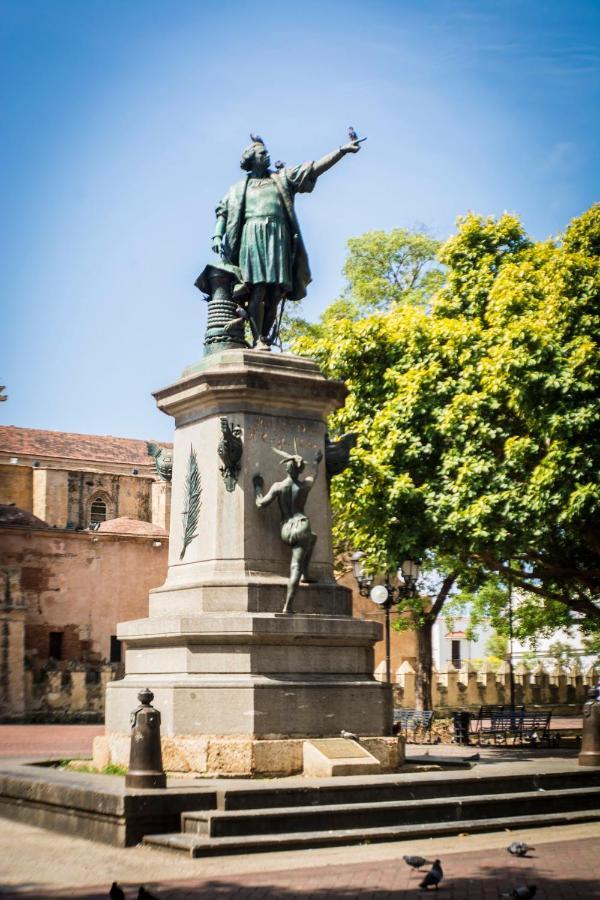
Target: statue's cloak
column 297, row 180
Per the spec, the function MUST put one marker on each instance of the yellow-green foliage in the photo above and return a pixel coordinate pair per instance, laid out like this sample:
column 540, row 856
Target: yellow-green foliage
column 477, row 410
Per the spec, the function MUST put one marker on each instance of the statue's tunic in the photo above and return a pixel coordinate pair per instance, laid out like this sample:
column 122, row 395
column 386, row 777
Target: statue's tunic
column 260, row 230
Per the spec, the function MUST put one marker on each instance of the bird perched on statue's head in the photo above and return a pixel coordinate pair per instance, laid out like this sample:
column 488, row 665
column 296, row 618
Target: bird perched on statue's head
column 433, row 877
column 256, row 139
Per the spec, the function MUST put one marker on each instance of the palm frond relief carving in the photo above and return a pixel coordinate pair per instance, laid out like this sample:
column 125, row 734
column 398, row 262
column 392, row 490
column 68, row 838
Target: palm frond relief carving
column 191, row 510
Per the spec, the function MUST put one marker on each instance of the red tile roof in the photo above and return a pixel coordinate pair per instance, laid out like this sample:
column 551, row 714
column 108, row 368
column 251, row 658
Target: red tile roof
column 19, row 518
column 64, row 445
column 125, row 525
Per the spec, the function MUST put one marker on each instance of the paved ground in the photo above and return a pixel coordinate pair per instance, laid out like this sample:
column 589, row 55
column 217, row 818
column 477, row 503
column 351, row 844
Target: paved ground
column 40, row 864
column 565, row 865
column 41, row 740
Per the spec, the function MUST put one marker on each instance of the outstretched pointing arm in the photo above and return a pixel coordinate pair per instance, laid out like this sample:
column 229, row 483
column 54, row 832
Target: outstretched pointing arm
column 331, row 159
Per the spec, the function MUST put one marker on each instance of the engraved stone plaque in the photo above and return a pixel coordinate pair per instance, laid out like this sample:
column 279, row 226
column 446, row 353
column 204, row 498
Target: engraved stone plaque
column 340, row 748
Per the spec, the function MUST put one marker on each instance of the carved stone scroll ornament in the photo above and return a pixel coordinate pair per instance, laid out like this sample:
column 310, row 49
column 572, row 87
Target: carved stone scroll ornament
column 163, row 460
column 230, row 451
column 192, row 499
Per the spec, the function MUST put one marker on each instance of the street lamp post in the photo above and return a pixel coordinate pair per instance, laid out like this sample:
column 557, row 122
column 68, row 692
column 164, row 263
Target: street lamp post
column 385, row 595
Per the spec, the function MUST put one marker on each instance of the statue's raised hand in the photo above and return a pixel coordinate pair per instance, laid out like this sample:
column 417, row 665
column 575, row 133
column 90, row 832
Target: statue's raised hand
column 350, row 147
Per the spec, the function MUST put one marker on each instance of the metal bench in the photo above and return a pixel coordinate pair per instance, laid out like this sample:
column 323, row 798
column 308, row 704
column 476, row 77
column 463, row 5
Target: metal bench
column 482, row 724
column 519, row 726
column 416, row 721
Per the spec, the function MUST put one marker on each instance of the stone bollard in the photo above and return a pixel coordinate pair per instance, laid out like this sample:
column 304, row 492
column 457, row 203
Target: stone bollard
column 590, row 741
column 145, row 757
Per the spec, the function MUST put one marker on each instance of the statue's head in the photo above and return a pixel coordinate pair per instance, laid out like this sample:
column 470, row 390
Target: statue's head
column 294, row 465
column 256, row 156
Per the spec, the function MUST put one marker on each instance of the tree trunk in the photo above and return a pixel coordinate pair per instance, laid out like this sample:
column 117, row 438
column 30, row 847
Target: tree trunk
column 423, row 694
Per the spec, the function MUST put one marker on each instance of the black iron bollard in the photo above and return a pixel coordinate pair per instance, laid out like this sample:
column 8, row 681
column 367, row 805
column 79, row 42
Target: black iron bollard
column 590, row 741
column 460, row 722
column 145, row 757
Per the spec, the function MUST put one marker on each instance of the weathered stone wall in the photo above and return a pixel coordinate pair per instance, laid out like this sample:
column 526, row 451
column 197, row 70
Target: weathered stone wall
column 564, row 689
column 12, row 647
column 124, row 495
column 80, row 584
column 16, row 486
column 72, row 694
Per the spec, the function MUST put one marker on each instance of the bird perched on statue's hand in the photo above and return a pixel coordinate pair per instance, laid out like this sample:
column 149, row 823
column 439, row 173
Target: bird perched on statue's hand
column 115, row 892
column 143, row 894
column 522, row 892
column 518, row 848
column 433, row 877
column 349, row 735
column 415, row 862
column 352, row 134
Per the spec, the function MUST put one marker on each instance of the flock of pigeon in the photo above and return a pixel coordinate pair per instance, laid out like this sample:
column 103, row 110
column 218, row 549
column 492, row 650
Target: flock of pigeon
column 435, row 874
column 432, row 878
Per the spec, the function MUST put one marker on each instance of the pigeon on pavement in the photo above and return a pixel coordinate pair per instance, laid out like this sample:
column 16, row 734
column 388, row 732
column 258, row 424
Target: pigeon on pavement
column 415, row 862
column 518, row 848
column 433, row 877
column 115, row 892
column 522, row 892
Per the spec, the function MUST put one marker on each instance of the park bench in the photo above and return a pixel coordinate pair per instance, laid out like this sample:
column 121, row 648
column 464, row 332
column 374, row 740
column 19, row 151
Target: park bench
column 481, row 724
column 417, row 722
column 519, row 726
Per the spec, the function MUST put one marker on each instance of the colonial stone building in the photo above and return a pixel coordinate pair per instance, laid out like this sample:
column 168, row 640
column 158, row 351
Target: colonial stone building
column 83, row 537
column 77, row 480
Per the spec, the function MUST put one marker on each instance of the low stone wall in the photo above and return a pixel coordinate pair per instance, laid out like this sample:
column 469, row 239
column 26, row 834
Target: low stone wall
column 73, row 694
column 562, row 689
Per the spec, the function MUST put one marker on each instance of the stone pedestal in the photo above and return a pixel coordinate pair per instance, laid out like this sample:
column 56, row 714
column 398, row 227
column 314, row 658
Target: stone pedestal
column 224, row 663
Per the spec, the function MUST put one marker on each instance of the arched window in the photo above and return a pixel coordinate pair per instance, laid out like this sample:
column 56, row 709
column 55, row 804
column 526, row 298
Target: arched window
column 98, row 511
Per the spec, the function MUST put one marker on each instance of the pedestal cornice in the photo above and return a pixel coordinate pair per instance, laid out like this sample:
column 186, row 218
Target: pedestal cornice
column 249, row 380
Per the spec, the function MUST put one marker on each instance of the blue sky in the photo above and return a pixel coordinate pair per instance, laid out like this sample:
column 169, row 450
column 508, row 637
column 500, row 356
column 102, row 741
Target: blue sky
column 123, row 123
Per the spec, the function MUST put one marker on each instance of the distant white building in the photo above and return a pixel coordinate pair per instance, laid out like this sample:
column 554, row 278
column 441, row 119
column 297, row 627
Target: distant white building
column 542, row 651
column 454, row 647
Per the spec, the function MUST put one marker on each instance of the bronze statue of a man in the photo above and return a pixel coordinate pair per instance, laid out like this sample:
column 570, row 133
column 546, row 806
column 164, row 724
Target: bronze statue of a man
column 258, row 233
column 291, row 495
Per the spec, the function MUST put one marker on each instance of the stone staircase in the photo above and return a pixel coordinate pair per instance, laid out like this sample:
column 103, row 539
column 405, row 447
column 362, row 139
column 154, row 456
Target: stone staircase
column 282, row 817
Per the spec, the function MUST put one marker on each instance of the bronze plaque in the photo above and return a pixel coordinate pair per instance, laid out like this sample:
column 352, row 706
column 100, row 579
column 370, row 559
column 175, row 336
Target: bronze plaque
column 340, row 748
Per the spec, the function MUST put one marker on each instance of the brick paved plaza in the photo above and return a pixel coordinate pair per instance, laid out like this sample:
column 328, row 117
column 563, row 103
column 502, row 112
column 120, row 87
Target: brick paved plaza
column 37, row 863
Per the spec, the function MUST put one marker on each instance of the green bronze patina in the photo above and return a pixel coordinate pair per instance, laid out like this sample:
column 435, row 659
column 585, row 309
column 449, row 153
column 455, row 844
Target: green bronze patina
column 258, row 240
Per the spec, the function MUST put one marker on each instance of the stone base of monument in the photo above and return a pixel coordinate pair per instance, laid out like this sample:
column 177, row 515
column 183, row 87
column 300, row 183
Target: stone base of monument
column 239, row 684
column 237, row 756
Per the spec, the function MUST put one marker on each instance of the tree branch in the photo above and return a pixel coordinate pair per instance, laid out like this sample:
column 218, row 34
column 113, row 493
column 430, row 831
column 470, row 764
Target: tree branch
column 442, row 596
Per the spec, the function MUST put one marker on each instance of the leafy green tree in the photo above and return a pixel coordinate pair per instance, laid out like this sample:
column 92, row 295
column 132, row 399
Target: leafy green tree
column 477, row 413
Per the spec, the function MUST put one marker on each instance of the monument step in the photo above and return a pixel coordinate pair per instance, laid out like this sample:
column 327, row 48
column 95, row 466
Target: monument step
column 197, row 845
column 351, row 816
column 387, row 788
